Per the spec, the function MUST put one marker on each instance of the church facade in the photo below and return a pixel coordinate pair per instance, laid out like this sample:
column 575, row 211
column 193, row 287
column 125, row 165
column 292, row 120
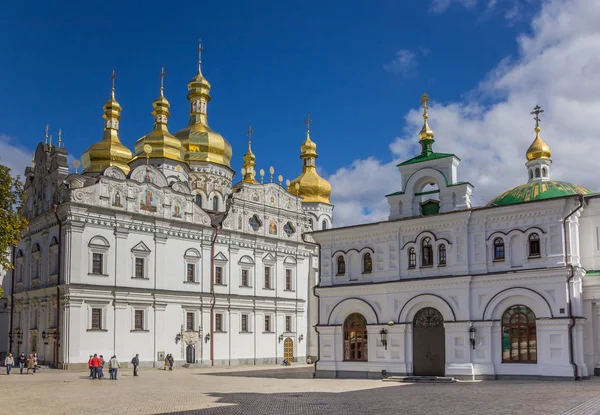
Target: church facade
column 159, row 251
column 511, row 289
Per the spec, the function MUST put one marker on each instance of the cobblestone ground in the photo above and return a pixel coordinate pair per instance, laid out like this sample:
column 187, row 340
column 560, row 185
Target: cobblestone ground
column 283, row 390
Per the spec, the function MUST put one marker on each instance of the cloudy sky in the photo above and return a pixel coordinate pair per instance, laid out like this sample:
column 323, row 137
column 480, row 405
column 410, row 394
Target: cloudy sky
column 359, row 70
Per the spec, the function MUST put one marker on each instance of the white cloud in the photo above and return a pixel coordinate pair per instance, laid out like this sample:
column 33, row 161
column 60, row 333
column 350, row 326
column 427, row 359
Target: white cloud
column 558, row 67
column 405, row 63
column 440, row 6
column 14, row 156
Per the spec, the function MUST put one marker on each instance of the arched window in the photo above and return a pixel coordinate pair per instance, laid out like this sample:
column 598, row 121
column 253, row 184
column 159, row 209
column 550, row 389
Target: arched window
column 544, row 172
column 355, row 338
column 367, row 263
column 498, row 249
column 537, row 172
column 412, row 258
column 310, row 222
column 442, row 254
column 519, row 341
column 426, row 253
column 198, row 199
column 531, row 174
column 215, row 202
column 341, row 265
column 534, row 245
column 324, row 225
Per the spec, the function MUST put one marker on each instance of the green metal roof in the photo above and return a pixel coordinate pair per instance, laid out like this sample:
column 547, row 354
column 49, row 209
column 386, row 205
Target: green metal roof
column 593, row 273
column 538, row 191
column 421, row 158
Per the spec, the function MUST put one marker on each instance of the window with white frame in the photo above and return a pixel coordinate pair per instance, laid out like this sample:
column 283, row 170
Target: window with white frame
column 246, row 264
column 245, row 323
column 53, row 268
column 36, row 262
column 245, row 278
column 96, row 319
column 219, row 322
column 267, row 278
column 98, row 255
column 141, row 258
column 96, row 316
column 289, row 279
column 220, row 277
column 192, row 265
column 139, row 322
column 268, row 326
column 288, row 324
column 20, row 265
column 190, row 319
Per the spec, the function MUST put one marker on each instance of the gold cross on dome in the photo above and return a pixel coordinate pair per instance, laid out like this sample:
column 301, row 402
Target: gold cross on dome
column 199, row 52
column 162, row 76
column 307, row 122
column 249, row 134
column 424, row 101
column 112, row 79
column 537, row 111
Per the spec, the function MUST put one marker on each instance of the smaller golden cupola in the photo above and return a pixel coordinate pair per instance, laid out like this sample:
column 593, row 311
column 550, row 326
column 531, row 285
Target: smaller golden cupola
column 538, row 149
column 248, row 172
column 164, row 144
column 109, row 151
column 311, row 186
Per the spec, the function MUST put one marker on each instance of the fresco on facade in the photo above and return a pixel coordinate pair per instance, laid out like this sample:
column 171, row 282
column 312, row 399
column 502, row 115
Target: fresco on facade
column 147, row 201
column 177, row 211
column 273, row 228
column 117, row 199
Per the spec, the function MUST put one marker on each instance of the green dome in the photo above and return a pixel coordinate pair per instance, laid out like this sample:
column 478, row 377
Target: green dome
column 538, row 191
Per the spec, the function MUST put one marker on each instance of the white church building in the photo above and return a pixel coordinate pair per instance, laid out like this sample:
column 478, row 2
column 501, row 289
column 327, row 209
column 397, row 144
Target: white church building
column 159, row 251
column 508, row 290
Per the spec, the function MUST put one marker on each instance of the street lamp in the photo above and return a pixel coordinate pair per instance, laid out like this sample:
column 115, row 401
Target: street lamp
column 472, row 336
column 19, row 336
column 383, row 334
column 301, row 338
column 207, row 338
column 280, row 338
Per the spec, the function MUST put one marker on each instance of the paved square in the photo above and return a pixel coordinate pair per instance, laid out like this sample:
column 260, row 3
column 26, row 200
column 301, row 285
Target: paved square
column 283, row 390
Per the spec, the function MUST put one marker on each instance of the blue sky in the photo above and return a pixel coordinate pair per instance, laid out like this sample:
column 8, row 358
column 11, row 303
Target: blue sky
column 358, row 67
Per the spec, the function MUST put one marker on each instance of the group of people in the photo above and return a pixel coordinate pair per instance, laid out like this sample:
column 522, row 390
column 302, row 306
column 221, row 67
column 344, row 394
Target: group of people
column 96, row 366
column 24, row 362
column 169, row 361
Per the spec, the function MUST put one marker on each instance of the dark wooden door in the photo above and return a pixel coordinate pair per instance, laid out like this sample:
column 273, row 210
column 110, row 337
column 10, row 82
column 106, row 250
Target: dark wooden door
column 190, row 353
column 288, row 350
column 429, row 343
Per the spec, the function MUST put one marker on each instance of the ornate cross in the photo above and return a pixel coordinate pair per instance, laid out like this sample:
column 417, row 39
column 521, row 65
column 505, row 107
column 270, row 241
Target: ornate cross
column 249, row 134
column 112, row 79
column 307, row 122
column 424, row 101
column 199, row 52
column 537, row 111
column 162, row 77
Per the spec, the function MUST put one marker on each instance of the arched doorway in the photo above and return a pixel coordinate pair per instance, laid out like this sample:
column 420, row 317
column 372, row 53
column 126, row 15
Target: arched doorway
column 429, row 343
column 288, row 350
column 190, row 353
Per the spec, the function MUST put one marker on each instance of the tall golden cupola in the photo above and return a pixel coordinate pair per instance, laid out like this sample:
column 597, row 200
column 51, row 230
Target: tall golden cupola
column 164, row 144
column 109, row 151
column 200, row 143
column 311, row 186
column 538, row 149
column 248, row 172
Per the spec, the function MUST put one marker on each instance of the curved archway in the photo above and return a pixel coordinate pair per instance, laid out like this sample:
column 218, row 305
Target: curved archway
column 352, row 305
column 429, row 343
column 500, row 302
column 412, row 306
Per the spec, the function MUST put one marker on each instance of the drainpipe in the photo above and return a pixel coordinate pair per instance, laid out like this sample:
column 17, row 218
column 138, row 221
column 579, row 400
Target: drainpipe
column 214, row 297
column 12, row 298
column 58, row 272
column 569, row 281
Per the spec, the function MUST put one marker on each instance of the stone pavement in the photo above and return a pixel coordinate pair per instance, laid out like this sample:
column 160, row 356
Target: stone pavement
column 283, row 390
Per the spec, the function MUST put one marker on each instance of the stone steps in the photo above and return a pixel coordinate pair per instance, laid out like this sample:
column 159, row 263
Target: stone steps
column 420, row 379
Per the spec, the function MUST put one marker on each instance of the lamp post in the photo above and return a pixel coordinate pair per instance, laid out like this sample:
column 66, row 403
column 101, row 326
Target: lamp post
column 472, row 336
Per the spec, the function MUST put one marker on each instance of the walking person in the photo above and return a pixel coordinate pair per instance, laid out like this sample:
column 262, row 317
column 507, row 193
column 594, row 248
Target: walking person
column 136, row 364
column 22, row 362
column 9, row 362
column 166, row 362
column 35, row 362
column 101, row 368
column 114, row 365
column 171, row 361
column 31, row 364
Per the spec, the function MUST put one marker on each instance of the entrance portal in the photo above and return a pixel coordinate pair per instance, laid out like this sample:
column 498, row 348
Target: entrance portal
column 190, row 353
column 429, row 343
column 288, row 350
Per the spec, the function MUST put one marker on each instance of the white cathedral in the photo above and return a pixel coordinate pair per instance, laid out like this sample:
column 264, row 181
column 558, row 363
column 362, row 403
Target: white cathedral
column 159, row 251
column 508, row 290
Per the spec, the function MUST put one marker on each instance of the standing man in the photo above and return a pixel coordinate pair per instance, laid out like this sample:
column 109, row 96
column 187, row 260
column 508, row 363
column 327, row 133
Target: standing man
column 9, row 362
column 136, row 364
column 95, row 367
column 22, row 362
column 114, row 366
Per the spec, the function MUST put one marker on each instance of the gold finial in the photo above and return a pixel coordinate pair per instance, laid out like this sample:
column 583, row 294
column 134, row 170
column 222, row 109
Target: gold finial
column 537, row 111
column 424, row 101
column 112, row 80
column 272, row 171
column 147, row 151
column 307, row 123
column 426, row 133
column 47, row 126
column 33, row 159
column 199, row 52
column 280, row 178
column 262, row 176
column 60, row 143
column 297, row 187
column 50, row 141
column 162, row 79
column 249, row 134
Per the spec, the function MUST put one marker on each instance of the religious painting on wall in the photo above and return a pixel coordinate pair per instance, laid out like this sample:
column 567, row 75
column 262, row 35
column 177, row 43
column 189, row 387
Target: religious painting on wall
column 117, row 199
column 272, row 228
column 147, row 201
column 254, row 222
column 147, row 177
column 177, row 211
column 272, row 200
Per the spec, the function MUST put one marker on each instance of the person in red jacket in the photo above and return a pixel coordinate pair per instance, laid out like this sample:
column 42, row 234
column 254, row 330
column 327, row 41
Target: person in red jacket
column 90, row 367
column 95, row 366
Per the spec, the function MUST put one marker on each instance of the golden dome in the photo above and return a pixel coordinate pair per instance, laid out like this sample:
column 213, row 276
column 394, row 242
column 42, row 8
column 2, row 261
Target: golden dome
column 426, row 133
column 248, row 172
column 109, row 151
column 538, row 149
column 312, row 187
column 199, row 142
column 163, row 143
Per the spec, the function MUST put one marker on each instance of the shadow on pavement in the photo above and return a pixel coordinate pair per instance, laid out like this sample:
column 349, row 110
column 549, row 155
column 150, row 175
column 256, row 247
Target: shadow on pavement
column 303, row 372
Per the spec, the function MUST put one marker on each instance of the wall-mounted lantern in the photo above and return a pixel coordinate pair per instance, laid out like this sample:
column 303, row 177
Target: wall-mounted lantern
column 44, row 337
column 207, row 338
column 301, row 337
column 280, row 338
column 472, row 336
column 383, row 335
column 177, row 338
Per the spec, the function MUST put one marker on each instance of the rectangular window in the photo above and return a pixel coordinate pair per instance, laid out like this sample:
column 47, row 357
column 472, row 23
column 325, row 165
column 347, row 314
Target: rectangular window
column 267, row 324
column 218, row 322
column 97, row 263
column 245, row 278
column 96, row 319
column 245, row 323
column 139, row 320
column 191, row 272
column 139, row 267
column 219, row 275
column 189, row 321
column 288, row 279
column 267, row 277
column 288, row 324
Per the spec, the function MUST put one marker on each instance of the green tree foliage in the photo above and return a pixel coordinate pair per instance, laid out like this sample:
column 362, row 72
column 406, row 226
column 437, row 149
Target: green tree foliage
column 12, row 223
